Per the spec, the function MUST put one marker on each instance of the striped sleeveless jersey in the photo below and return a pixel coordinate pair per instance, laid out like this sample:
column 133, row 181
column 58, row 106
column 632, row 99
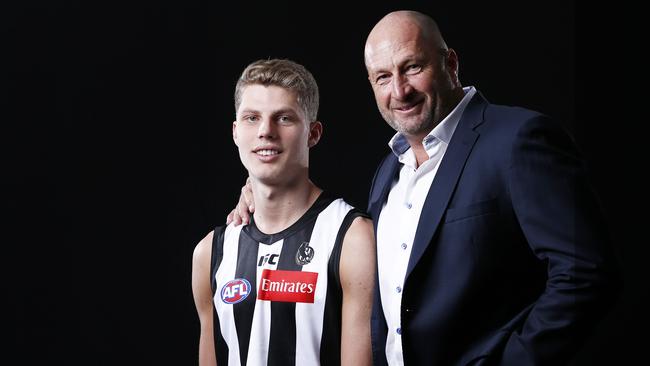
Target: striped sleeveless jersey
column 277, row 298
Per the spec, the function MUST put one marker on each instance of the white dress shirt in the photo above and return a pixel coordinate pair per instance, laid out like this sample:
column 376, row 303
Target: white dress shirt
column 399, row 218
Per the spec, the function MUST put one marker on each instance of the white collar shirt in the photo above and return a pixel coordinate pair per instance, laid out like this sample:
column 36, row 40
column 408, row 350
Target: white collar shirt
column 398, row 220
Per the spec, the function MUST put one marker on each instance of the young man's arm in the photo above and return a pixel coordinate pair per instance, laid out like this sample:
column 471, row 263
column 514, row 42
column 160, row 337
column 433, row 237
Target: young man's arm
column 203, row 299
column 357, row 272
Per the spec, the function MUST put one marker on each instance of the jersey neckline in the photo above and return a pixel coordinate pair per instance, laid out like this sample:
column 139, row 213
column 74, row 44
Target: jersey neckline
column 319, row 205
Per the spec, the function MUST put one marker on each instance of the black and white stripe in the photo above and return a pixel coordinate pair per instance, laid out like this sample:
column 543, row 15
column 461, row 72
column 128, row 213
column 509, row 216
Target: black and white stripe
column 258, row 332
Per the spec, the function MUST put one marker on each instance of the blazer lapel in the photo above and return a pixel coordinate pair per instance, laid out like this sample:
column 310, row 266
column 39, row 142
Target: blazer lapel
column 381, row 186
column 446, row 178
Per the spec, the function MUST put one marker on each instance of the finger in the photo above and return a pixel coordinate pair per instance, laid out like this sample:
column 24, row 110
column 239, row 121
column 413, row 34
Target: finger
column 247, row 196
column 242, row 205
column 236, row 219
column 242, row 212
column 230, row 217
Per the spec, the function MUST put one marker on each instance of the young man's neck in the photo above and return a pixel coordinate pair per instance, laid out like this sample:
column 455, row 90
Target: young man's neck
column 277, row 208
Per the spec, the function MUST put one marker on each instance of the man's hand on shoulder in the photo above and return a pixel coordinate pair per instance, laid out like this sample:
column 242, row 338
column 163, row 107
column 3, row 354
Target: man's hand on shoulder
column 245, row 206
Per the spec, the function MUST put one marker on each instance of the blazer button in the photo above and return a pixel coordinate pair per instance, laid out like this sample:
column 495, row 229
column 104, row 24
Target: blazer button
column 407, row 312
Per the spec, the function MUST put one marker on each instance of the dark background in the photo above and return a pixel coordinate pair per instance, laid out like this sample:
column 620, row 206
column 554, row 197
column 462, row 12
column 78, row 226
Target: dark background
column 118, row 158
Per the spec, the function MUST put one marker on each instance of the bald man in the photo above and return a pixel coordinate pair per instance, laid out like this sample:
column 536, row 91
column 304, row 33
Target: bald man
column 491, row 247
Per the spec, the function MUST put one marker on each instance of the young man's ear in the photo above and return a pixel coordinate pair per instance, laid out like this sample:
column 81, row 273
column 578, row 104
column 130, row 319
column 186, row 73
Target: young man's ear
column 315, row 132
column 234, row 132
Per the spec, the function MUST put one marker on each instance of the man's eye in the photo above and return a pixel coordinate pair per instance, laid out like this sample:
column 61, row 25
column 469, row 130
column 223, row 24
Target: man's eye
column 284, row 119
column 251, row 118
column 382, row 79
column 413, row 68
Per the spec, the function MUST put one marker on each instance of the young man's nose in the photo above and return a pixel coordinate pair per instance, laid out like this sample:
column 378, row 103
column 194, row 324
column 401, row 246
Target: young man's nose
column 267, row 128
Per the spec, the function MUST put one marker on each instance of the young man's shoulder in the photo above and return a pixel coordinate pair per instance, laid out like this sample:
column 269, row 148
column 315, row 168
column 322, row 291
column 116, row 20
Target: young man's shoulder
column 218, row 233
column 204, row 246
column 348, row 208
column 361, row 229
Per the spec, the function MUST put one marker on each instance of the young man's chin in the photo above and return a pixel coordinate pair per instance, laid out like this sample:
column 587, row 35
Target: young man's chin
column 275, row 176
column 270, row 179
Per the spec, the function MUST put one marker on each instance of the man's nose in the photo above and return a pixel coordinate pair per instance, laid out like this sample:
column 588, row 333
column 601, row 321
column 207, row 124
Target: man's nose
column 401, row 87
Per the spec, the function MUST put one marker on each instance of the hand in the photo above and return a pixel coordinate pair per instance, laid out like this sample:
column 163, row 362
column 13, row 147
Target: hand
column 245, row 207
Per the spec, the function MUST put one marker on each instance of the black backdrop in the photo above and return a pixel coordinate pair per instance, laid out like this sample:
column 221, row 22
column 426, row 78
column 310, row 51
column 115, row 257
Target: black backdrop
column 120, row 156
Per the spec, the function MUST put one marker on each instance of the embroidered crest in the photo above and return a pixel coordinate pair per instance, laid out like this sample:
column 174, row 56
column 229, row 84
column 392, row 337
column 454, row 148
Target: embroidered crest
column 304, row 254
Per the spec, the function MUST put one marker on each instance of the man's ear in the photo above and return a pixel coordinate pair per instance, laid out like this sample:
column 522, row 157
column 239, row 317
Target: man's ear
column 453, row 65
column 315, row 132
column 234, row 132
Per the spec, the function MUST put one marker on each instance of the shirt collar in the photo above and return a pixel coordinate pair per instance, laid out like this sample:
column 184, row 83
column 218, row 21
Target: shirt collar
column 442, row 132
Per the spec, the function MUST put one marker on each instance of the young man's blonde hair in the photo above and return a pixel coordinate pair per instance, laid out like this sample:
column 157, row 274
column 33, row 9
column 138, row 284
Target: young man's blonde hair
column 285, row 74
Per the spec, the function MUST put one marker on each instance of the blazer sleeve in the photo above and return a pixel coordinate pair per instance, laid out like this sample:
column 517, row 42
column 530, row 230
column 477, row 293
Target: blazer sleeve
column 378, row 327
column 561, row 219
column 374, row 188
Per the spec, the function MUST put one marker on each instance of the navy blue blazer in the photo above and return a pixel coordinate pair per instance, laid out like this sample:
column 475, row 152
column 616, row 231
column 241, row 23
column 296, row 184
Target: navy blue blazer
column 511, row 263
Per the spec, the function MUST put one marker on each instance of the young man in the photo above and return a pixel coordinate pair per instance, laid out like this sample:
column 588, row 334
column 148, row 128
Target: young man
column 293, row 287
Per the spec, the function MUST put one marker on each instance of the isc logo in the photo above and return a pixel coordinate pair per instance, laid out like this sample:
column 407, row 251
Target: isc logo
column 235, row 291
column 269, row 258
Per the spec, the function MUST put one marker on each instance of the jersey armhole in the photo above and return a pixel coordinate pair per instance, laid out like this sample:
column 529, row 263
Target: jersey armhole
column 216, row 255
column 335, row 257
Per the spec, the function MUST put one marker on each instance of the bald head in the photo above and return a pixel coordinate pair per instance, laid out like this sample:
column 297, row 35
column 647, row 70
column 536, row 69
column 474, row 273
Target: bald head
column 404, row 25
column 413, row 74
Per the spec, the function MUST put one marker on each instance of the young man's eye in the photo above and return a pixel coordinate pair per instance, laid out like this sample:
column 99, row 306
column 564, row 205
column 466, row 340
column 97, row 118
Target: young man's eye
column 250, row 118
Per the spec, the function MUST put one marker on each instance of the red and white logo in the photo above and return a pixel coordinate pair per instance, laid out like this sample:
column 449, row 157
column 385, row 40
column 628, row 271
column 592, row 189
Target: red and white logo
column 287, row 286
column 235, row 291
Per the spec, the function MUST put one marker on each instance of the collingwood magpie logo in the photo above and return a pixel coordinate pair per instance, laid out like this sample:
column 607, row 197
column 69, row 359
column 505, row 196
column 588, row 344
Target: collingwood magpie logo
column 304, row 254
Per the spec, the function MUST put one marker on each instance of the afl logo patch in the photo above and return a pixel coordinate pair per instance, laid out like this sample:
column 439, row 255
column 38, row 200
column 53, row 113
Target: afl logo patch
column 304, row 254
column 235, row 291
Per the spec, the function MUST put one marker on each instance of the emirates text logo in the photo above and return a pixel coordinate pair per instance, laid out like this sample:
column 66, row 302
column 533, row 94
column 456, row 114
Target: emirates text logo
column 287, row 286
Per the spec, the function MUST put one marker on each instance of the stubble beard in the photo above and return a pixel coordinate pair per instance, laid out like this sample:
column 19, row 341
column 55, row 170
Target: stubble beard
column 424, row 125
